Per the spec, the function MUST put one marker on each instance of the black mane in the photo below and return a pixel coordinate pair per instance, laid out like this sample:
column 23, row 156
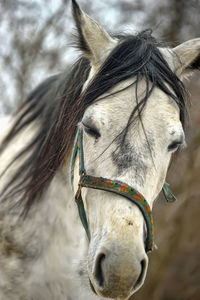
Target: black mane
column 59, row 105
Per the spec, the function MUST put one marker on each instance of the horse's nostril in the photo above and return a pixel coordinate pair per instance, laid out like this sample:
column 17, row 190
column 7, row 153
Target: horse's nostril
column 142, row 274
column 116, row 273
column 98, row 273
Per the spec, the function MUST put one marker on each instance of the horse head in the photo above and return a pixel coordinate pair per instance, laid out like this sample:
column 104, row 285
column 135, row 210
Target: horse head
column 130, row 132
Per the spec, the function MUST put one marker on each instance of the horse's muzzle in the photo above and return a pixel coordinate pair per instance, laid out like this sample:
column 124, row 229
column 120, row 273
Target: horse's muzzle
column 117, row 272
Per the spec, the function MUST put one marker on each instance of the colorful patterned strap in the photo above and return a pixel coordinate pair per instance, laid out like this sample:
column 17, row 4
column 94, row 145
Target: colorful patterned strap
column 128, row 192
column 111, row 186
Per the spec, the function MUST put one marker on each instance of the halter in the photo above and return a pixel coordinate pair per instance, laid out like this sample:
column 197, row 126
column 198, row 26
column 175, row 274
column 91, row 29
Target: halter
column 114, row 186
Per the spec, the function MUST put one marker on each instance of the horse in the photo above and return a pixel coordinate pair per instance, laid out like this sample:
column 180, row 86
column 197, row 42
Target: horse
column 82, row 163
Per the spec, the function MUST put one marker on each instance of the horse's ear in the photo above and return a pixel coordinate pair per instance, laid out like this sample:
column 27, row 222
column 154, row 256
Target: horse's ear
column 188, row 57
column 94, row 42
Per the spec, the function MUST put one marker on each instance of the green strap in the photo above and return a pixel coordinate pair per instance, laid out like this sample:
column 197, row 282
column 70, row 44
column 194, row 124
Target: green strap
column 81, row 211
column 81, row 154
column 167, row 193
column 77, row 149
column 73, row 159
column 128, row 192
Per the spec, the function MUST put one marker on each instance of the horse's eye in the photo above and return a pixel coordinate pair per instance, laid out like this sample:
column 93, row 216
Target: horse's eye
column 174, row 145
column 92, row 131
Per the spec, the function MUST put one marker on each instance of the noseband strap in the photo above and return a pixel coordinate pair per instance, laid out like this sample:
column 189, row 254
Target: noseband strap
column 113, row 186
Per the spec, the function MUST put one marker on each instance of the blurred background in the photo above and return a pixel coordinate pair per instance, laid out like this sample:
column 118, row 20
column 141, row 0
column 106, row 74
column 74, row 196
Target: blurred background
column 35, row 42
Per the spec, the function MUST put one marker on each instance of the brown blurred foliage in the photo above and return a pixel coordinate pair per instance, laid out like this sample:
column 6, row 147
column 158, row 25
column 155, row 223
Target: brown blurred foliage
column 39, row 46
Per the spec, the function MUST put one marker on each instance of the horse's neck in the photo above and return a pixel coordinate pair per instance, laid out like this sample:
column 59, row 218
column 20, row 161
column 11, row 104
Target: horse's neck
column 51, row 238
column 62, row 238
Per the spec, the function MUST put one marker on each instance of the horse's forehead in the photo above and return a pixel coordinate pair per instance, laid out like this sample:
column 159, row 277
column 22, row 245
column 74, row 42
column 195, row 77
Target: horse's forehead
column 163, row 105
column 117, row 104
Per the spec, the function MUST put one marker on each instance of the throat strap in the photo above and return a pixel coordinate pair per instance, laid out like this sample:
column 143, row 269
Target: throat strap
column 169, row 197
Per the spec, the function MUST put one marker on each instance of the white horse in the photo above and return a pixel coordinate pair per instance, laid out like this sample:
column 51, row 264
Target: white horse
column 126, row 97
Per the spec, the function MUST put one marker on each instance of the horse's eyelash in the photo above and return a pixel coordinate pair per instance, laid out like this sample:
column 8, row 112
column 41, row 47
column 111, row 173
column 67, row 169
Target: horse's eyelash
column 174, row 145
column 92, row 131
